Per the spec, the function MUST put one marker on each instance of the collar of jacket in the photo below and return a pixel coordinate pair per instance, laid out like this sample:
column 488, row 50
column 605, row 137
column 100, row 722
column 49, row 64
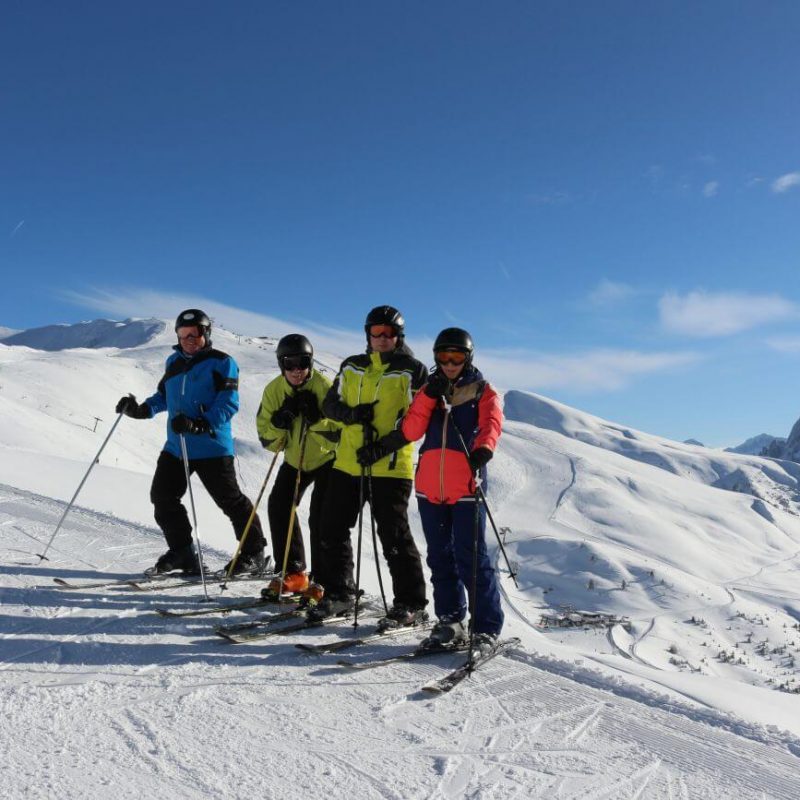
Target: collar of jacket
column 179, row 350
column 298, row 388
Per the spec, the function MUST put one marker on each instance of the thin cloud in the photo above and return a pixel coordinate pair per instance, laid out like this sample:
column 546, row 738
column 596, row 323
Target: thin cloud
column 785, row 344
column 601, row 370
column 16, row 228
column 786, row 182
column 610, row 293
column 707, row 314
column 711, row 189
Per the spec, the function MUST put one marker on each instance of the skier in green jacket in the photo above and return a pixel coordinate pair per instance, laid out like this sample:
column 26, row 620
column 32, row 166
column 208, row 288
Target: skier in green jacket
column 290, row 418
column 374, row 463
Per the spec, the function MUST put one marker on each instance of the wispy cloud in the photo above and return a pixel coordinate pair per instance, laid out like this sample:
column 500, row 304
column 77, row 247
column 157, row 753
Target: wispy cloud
column 708, row 314
column 785, row 344
column 609, row 293
column 786, row 182
column 551, row 199
column 16, row 228
column 710, row 189
column 602, row 370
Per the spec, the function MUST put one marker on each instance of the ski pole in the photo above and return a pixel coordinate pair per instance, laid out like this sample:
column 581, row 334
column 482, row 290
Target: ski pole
column 368, row 435
column 474, row 592
column 246, row 530
column 358, row 546
column 194, row 516
column 295, row 499
column 479, row 492
column 43, row 555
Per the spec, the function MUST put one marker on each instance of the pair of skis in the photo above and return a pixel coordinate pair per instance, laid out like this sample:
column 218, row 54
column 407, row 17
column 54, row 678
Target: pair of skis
column 447, row 682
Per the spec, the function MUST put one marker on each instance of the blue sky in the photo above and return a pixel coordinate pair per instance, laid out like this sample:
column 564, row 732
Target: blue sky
column 606, row 195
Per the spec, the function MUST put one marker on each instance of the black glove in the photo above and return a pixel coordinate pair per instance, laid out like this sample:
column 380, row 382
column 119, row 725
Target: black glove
column 130, row 408
column 283, row 418
column 375, row 451
column 370, row 453
column 183, row 424
column 308, row 406
column 438, row 384
column 479, row 457
column 360, row 414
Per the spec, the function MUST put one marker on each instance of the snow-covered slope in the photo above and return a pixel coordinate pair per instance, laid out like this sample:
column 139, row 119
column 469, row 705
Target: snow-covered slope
column 699, row 548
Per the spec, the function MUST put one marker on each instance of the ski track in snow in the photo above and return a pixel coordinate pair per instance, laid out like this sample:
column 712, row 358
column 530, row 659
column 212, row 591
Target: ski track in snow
column 115, row 700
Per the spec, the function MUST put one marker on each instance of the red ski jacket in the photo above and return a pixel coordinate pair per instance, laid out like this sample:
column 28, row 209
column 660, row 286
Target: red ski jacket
column 443, row 473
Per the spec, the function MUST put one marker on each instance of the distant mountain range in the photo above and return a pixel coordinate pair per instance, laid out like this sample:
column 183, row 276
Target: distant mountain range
column 756, row 445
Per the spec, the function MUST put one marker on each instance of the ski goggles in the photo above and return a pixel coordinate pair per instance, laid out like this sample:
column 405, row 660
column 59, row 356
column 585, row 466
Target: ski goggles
column 382, row 331
column 454, row 357
column 289, row 363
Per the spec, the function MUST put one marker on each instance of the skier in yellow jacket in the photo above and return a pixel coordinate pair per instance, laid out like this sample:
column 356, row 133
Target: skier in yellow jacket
column 290, row 403
column 370, row 395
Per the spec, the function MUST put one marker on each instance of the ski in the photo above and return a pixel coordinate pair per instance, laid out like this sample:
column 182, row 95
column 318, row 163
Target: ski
column 224, row 608
column 262, row 633
column 452, row 679
column 344, row 644
column 413, row 655
column 152, row 582
column 261, row 622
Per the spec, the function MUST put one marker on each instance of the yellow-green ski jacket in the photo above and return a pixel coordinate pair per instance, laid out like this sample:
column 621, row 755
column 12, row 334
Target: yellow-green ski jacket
column 322, row 436
column 390, row 378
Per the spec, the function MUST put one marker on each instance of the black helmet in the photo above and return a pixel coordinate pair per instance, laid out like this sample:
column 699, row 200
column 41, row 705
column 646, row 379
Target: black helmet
column 194, row 316
column 385, row 315
column 294, row 345
column 454, row 339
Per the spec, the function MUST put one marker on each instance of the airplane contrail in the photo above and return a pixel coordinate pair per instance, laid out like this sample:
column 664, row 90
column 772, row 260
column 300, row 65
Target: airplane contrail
column 19, row 225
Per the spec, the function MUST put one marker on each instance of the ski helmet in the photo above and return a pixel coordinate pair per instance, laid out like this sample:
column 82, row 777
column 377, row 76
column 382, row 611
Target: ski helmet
column 385, row 315
column 454, row 339
column 196, row 317
column 294, row 345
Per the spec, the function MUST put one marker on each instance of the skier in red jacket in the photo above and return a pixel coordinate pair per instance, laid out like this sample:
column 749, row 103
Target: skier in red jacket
column 456, row 399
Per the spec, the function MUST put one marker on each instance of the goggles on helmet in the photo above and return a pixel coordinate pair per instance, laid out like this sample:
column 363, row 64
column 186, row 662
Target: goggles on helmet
column 382, row 331
column 454, row 357
column 289, row 363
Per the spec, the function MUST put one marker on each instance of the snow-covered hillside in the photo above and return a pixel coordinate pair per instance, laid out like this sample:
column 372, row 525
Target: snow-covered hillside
column 692, row 696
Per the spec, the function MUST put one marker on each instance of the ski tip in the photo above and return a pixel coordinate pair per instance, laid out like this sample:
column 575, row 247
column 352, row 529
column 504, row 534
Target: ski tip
column 309, row 648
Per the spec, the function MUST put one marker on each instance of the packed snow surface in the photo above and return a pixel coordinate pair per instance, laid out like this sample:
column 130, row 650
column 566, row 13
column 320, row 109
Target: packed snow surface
column 688, row 554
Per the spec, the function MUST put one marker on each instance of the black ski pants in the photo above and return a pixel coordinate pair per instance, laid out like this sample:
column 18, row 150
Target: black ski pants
column 389, row 505
column 219, row 478
column 279, row 509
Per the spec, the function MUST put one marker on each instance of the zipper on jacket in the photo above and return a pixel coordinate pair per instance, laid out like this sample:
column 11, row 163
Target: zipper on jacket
column 441, row 458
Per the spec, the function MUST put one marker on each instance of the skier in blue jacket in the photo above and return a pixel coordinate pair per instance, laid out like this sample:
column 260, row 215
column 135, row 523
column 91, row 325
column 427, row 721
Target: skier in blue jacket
column 200, row 393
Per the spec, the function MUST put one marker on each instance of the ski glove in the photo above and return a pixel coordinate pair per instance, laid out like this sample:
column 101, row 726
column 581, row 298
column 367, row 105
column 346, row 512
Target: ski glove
column 183, row 424
column 283, row 418
column 360, row 414
column 375, row 451
column 479, row 457
column 438, row 384
column 308, row 406
column 130, row 408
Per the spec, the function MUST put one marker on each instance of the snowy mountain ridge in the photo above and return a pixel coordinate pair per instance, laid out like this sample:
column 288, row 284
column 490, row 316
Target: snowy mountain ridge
column 698, row 548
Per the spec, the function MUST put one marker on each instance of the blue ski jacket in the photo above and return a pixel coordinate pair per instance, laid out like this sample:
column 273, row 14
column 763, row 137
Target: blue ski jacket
column 204, row 385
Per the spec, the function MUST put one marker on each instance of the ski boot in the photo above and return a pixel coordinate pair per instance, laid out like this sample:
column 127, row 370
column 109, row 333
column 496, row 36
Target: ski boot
column 183, row 559
column 400, row 616
column 330, row 607
column 247, row 564
column 446, row 634
column 295, row 583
